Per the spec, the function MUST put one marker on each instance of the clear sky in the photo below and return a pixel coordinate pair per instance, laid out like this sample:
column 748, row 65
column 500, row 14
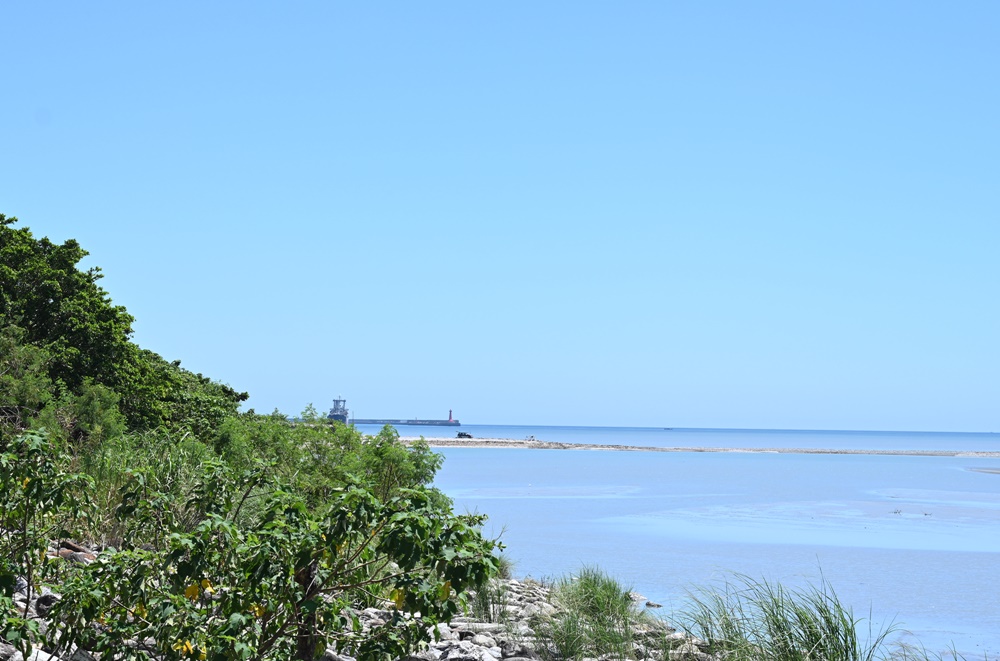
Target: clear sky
column 685, row 214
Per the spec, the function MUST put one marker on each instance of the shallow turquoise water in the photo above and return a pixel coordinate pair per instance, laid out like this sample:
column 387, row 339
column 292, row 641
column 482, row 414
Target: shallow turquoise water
column 914, row 539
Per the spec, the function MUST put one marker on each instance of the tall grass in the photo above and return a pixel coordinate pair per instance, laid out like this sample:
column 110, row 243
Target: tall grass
column 489, row 603
column 172, row 463
column 505, row 566
column 756, row 620
column 596, row 596
column 596, row 618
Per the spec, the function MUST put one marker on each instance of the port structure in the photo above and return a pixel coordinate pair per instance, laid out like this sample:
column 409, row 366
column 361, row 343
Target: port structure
column 340, row 413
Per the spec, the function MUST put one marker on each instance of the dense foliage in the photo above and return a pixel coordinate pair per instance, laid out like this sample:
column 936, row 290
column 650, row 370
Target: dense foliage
column 58, row 317
column 226, row 535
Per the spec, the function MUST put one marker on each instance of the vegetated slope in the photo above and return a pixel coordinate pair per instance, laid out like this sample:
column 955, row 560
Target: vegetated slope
column 222, row 535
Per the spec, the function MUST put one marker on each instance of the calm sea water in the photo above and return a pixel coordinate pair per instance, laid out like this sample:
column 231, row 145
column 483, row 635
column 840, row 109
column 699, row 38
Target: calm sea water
column 910, row 540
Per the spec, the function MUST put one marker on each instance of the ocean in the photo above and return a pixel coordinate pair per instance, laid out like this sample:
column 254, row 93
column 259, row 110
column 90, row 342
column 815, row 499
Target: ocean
column 908, row 540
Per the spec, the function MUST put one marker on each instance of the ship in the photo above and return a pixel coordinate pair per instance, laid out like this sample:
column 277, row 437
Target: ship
column 340, row 413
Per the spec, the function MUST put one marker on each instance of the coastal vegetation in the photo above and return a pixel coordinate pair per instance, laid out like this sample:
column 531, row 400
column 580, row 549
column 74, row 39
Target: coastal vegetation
column 234, row 535
column 223, row 535
column 755, row 619
column 596, row 618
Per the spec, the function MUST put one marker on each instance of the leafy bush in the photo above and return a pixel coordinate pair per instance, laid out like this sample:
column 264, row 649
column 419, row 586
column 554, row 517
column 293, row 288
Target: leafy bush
column 39, row 501
column 316, row 455
column 281, row 588
column 218, row 562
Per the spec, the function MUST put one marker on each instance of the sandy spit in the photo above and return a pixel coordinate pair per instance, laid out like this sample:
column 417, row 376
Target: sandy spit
column 551, row 445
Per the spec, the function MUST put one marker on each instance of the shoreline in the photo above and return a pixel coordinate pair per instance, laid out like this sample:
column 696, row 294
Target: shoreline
column 534, row 444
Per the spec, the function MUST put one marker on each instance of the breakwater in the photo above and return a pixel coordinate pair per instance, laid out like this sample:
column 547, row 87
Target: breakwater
column 415, row 423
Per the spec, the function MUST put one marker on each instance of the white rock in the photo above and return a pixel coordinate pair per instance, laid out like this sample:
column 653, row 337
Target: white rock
column 689, row 652
column 484, row 627
column 39, row 655
column 446, row 632
column 483, row 640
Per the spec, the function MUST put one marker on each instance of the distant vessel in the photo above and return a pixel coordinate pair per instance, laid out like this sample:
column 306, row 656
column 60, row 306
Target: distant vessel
column 340, row 413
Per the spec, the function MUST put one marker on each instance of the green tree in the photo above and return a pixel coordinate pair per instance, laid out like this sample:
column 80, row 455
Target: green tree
column 25, row 386
column 388, row 465
column 63, row 312
column 60, row 308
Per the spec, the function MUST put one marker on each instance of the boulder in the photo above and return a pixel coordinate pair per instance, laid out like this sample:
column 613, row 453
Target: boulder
column 332, row 655
column 445, row 632
column 466, row 651
column 45, row 603
column 483, row 627
column 426, row 655
column 689, row 652
column 484, row 640
column 8, row 653
column 518, row 650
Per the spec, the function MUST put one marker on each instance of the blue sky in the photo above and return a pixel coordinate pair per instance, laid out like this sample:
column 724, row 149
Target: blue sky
column 759, row 214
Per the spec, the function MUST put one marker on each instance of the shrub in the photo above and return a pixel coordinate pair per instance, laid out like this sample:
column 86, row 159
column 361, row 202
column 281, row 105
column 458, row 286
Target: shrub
column 39, row 501
column 278, row 589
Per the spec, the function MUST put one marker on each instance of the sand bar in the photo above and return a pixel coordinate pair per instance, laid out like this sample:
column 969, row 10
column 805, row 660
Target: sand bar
column 535, row 444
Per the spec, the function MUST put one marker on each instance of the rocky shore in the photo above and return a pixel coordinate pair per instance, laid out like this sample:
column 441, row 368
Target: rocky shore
column 511, row 628
column 536, row 444
column 526, row 610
